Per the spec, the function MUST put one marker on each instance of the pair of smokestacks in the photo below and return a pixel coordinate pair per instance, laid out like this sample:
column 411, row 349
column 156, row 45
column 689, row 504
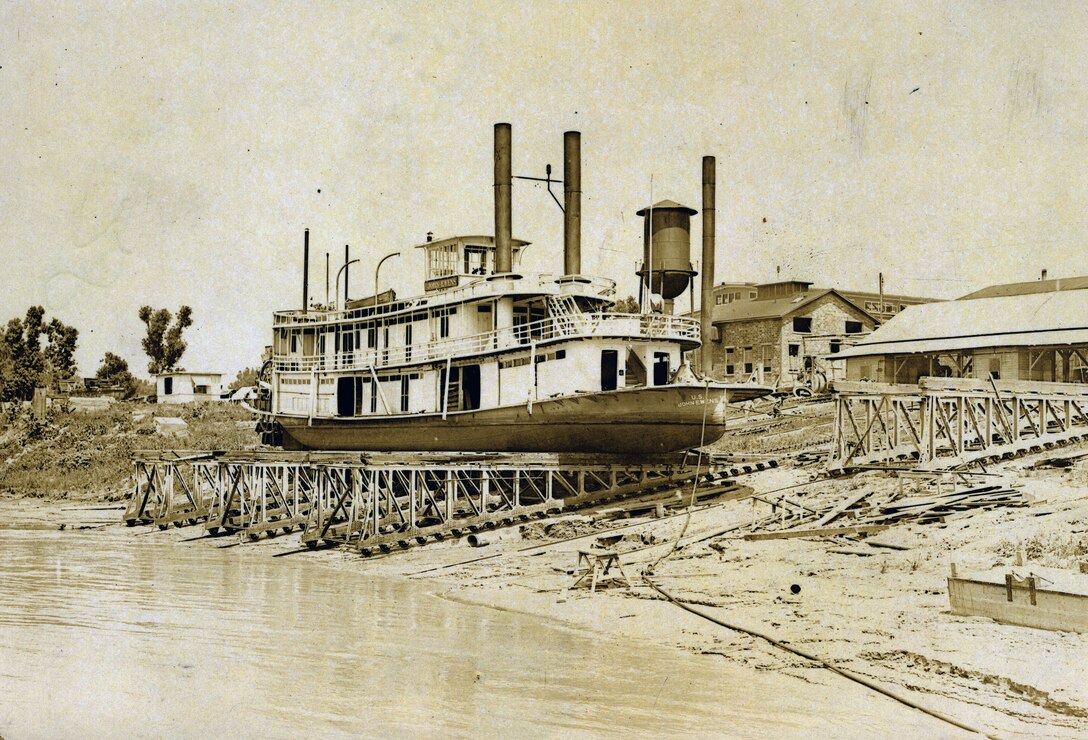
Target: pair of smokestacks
column 572, row 201
column 572, row 222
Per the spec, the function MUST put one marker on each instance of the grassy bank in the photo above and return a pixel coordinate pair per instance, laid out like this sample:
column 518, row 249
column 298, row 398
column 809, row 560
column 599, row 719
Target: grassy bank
column 88, row 455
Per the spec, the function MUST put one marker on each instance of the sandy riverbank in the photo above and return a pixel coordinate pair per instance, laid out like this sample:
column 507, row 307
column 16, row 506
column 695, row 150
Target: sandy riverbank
column 878, row 612
column 884, row 616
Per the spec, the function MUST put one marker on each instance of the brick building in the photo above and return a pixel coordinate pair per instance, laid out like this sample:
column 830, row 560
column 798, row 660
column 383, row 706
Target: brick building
column 880, row 306
column 784, row 333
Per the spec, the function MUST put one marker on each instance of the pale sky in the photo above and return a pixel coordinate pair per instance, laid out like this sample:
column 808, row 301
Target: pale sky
column 170, row 153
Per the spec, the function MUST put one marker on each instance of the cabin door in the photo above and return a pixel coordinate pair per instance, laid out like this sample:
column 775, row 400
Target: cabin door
column 610, row 367
column 470, row 387
column 345, row 396
column 661, row 368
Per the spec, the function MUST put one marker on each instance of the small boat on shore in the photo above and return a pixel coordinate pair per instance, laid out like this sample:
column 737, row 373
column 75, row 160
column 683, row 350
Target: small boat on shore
column 491, row 358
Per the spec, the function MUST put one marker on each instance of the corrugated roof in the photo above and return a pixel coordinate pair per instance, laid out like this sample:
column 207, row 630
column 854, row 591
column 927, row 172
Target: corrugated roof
column 776, row 308
column 1016, row 320
column 1034, row 286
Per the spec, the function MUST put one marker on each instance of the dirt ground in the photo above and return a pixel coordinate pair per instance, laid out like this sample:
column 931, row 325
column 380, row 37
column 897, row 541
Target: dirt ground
column 878, row 612
column 882, row 613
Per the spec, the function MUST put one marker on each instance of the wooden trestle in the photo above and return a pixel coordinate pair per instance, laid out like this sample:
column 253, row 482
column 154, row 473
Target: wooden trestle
column 379, row 502
column 947, row 423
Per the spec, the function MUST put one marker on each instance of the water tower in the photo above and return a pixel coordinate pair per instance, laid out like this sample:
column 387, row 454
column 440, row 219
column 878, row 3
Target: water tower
column 666, row 249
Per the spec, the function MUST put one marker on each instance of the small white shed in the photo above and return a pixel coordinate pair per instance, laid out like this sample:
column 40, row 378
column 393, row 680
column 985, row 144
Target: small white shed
column 186, row 387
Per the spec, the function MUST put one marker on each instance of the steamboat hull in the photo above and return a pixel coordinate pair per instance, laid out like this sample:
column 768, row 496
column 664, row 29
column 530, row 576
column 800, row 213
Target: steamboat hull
column 635, row 421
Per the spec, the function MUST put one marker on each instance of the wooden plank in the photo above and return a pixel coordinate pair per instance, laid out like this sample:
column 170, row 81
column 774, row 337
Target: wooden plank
column 841, row 509
column 822, row 532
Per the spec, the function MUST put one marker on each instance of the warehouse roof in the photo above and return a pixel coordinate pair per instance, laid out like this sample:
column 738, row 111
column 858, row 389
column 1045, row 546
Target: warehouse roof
column 1034, row 319
column 1034, row 286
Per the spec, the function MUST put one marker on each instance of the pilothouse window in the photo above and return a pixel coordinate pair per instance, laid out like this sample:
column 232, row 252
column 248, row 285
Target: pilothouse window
column 477, row 260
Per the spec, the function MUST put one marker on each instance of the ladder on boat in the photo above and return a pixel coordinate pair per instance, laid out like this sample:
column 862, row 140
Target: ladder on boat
column 564, row 310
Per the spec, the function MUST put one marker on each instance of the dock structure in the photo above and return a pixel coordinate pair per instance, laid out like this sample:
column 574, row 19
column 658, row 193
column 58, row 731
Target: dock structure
column 377, row 502
column 949, row 423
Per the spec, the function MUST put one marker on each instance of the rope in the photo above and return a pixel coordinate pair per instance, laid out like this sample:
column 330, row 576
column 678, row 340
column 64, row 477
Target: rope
column 834, row 669
column 695, row 480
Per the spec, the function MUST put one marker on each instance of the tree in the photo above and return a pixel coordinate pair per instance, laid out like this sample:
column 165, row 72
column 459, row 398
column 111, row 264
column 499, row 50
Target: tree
column 246, row 378
column 626, row 305
column 114, row 370
column 25, row 363
column 60, row 354
column 163, row 343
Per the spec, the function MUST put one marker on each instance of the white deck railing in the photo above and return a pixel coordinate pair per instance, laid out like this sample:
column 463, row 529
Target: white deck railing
column 543, row 284
column 625, row 325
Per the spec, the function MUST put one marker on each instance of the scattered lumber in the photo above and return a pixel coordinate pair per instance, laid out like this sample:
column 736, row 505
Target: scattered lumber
column 888, row 545
column 923, row 509
column 842, row 508
column 821, row 532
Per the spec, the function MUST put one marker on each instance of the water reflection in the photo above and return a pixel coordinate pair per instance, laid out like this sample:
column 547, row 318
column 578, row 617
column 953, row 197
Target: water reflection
column 111, row 634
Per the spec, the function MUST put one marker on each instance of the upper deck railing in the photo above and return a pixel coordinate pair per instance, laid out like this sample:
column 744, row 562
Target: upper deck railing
column 543, row 284
column 620, row 325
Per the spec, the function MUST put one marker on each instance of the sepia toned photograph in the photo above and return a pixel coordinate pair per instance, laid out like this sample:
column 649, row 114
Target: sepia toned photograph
column 550, row 369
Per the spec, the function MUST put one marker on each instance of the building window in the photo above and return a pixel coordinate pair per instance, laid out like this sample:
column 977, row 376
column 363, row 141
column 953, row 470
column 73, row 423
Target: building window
column 802, row 324
column 835, row 347
column 747, row 368
column 407, row 342
column 853, row 327
column 371, row 337
column 168, row 386
column 200, row 390
column 404, row 393
column 795, row 350
column 729, row 369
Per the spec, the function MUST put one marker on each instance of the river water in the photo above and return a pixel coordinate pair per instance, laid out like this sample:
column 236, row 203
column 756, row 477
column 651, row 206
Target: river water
column 110, row 634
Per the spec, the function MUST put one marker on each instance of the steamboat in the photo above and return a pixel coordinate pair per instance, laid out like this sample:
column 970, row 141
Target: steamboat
column 490, row 358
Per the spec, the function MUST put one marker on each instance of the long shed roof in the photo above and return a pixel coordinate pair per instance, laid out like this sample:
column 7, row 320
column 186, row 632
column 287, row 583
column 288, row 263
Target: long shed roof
column 1003, row 321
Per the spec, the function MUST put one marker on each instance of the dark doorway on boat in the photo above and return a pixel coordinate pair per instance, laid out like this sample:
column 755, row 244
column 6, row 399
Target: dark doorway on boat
column 462, row 388
column 661, row 368
column 345, row 396
column 635, row 369
column 610, row 366
column 470, row 387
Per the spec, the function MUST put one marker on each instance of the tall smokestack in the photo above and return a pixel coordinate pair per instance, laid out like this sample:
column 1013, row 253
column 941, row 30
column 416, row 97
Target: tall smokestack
column 305, row 270
column 504, row 254
column 706, row 304
column 572, row 203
